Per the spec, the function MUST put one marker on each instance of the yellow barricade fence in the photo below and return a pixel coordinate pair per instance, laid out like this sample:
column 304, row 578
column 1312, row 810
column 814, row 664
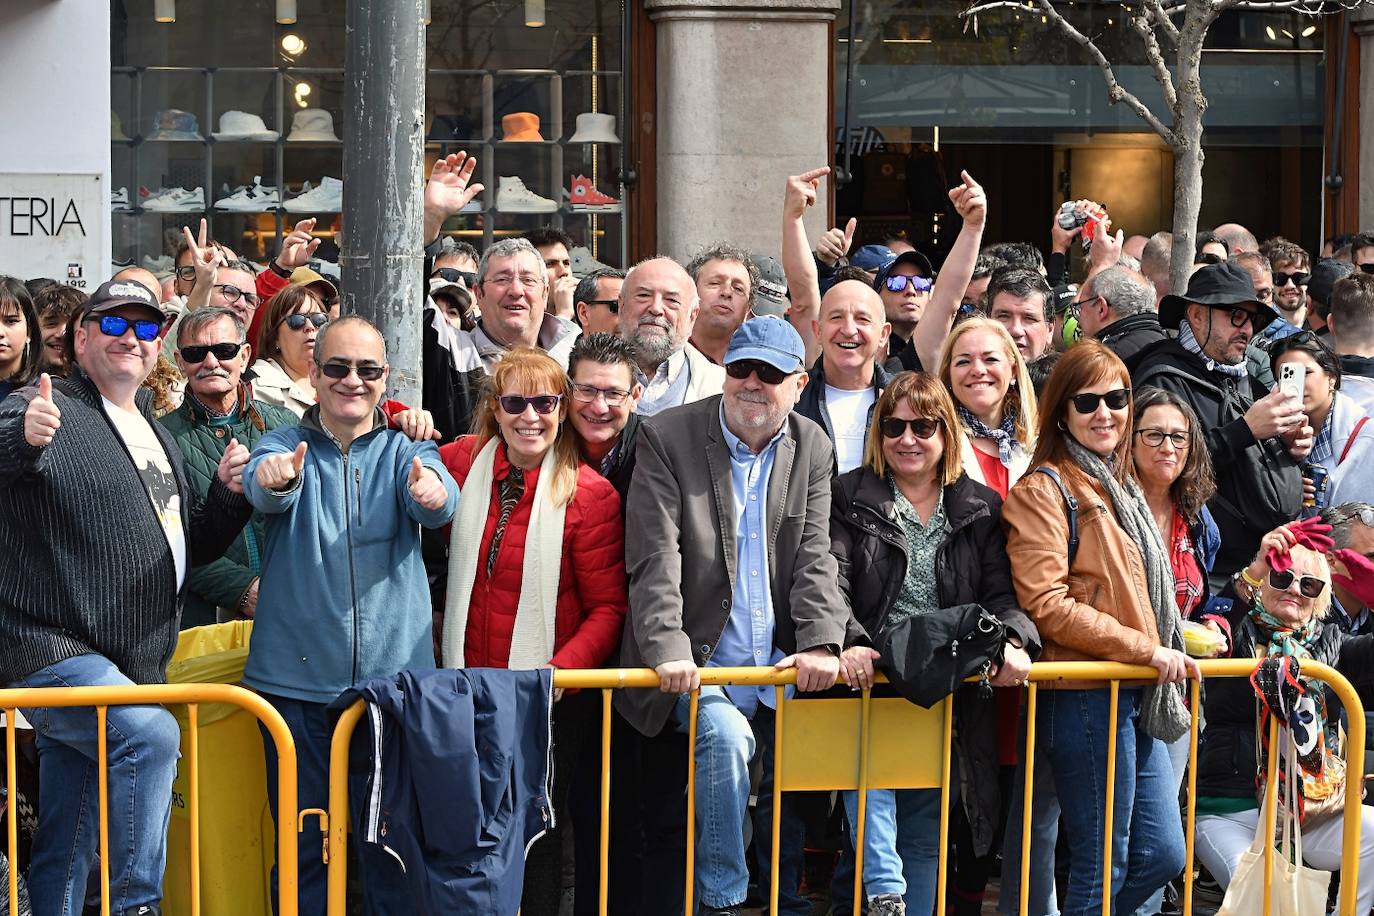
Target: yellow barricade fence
column 809, row 730
column 192, row 696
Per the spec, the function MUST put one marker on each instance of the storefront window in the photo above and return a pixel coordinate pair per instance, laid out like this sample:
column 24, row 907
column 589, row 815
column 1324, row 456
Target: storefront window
column 227, row 114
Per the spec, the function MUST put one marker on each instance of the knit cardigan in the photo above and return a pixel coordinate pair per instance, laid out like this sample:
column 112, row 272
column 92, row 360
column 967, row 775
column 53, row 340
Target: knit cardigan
column 84, row 563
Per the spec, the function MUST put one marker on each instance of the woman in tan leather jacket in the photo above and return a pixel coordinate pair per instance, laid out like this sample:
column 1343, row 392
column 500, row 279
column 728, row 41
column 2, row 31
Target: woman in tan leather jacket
column 1109, row 596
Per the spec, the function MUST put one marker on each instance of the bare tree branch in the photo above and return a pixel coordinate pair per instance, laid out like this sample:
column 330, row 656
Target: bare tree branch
column 1142, row 26
column 1115, row 91
column 1313, row 8
column 1163, row 22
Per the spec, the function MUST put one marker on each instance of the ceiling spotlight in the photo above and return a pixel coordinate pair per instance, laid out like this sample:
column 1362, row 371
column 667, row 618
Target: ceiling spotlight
column 164, row 10
column 1309, row 31
column 1270, row 34
column 534, row 13
column 293, row 44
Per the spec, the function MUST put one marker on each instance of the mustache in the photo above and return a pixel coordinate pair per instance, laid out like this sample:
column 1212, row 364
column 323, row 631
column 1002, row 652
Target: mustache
column 651, row 321
column 211, row 373
column 750, row 397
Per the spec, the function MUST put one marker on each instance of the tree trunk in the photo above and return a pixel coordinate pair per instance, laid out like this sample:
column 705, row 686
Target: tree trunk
column 1188, row 158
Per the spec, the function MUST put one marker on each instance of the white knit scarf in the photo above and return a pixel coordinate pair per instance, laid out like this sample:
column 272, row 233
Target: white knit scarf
column 533, row 638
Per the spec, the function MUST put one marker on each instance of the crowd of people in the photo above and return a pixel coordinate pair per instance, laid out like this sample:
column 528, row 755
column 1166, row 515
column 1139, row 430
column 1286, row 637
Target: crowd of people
column 741, row 461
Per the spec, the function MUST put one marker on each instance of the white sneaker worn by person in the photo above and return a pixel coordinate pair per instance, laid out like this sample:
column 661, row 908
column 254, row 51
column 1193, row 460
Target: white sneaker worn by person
column 251, row 199
column 513, row 197
column 327, row 198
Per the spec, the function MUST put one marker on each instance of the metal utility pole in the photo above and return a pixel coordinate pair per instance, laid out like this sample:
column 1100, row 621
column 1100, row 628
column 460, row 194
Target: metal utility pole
column 383, row 158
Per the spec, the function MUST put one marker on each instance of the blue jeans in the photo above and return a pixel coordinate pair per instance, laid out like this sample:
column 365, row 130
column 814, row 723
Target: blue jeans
column 142, row 743
column 1147, row 833
column 1044, row 836
column 901, row 843
column 385, row 890
column 726, row 743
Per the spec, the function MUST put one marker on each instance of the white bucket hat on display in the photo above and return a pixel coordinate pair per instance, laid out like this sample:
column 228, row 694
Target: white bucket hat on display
column 312, row 124
column 241, row 125
column 595, row 128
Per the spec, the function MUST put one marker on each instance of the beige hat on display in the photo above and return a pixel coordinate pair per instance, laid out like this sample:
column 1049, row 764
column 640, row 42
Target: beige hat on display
column 312, row 124
column 594, row 127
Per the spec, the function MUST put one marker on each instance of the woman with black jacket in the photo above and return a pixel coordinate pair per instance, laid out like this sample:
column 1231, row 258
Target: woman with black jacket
column 913, row 535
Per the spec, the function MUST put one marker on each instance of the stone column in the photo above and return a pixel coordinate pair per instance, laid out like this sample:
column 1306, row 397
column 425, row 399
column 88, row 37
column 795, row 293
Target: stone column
column 1362, row 19
column 742, row 104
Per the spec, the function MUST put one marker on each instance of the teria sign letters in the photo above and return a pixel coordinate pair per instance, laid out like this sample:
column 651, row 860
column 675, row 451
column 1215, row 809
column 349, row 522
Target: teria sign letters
column 52, row 225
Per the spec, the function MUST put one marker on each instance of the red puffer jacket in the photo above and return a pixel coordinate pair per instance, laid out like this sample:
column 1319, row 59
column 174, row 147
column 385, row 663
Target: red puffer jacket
column 592, row 596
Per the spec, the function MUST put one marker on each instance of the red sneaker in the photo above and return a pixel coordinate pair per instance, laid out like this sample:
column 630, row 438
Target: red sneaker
column 585, row 198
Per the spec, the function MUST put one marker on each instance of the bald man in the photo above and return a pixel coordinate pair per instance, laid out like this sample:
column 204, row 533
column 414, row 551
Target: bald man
column 845, row 383
column 658, row 307
column 1236, row 237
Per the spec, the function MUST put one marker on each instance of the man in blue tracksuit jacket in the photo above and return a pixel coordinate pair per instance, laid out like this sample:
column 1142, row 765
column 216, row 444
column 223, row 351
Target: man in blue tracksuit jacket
column 342, row 596
column 458, row 781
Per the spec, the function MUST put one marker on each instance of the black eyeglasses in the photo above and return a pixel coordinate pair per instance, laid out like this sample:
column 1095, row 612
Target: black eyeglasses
column 187, row 273
column 1087, row 403
column 899, row 282
column 232, row 293
column 515, row 404
column 454, row 275
column 1309, row 586
column 1208, row 257
column 297, row 321
column 194, row 355
column 612, row 305
column 921, row 428
column 1238, row 316
column 587, row 394
column 115, row 326
column 340, row 371
column 767, row 373
column 1075, row 308
column 1299, row 279
column 1155, row 438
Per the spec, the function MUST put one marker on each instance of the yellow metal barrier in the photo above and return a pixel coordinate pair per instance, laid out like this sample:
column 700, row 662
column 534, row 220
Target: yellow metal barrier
column 803, row 726
column 191, row 695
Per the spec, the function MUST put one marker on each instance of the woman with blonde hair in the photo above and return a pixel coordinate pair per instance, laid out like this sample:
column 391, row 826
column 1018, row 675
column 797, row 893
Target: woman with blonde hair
column 536, row 566
column 993, row 397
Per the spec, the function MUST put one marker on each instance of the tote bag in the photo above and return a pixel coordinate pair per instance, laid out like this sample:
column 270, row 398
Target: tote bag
column 1296, row 890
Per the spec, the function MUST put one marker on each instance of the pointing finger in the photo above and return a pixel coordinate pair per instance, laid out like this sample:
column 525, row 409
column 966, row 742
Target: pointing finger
column 815, row 174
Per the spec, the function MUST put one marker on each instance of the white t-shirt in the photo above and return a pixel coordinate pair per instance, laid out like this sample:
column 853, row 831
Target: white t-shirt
column 158, row 480
column 848, row 412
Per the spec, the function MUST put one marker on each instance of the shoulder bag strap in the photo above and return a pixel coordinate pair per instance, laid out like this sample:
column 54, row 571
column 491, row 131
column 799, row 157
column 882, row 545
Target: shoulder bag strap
column 1351, row 441
column 1070, row 506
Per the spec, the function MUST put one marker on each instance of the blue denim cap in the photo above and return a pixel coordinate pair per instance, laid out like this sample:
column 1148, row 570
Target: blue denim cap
column 770, row 340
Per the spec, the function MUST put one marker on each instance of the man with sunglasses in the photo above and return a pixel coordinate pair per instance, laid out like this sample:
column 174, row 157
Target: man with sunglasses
column 343, row 595
column 1283, row 273
column 1256, row 440
column 729, row 564
column 218, row 408
column 1362, row 252
column 904, row 284
column 597, row 301
column 99, row 527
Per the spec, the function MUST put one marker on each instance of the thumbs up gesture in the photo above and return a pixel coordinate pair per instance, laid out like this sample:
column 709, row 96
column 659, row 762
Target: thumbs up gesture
column 42, row 418
column 231, row 465
column 835, row 243
column 276, row 472
column 425, row 487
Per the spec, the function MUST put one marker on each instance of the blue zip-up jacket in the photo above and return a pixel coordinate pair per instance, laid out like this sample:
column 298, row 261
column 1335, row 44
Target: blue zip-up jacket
column 459, row 780
column 343, row 595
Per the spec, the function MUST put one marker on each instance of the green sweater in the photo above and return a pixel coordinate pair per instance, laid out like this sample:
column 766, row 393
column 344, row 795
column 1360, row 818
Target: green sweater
column 202, row 440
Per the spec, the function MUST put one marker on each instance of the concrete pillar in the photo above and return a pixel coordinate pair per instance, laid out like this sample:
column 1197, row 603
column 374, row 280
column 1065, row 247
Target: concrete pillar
column 1362, row 18
column 743, row 102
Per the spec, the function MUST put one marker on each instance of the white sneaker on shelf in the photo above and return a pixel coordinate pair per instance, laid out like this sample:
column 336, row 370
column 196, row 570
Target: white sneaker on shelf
column 175, row 200
column 251, row 199
column 119, row 200
column 513, row 197
column 584, row 263
column 327, row 198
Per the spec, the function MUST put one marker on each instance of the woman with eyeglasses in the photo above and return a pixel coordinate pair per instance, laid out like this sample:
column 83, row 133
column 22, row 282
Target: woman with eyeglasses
column 1344, row 445
column 286, row 348
column 913, row 534
column 1095, row 577
column 536, row 565
column 1280, row 614
column 20, row 344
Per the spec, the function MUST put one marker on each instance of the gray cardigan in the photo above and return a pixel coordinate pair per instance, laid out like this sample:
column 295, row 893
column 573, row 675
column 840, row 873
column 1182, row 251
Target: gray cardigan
column 84, row 564
column 680, row 547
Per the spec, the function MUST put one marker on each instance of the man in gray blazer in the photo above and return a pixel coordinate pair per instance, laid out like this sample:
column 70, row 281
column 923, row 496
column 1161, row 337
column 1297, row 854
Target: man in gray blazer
column 729, row 561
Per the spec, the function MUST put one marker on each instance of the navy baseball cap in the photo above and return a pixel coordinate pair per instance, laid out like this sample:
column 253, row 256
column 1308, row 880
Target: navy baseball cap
column 770, row 340
column 871, row 257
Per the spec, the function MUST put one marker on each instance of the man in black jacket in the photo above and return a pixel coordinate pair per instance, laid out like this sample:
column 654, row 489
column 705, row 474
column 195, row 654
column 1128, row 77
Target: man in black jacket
column 1117, row 306
column 1256, row 440
column 604, row 395
column 98, row 526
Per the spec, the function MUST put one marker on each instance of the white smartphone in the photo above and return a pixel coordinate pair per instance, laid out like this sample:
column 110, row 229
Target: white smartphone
column 1292, row 378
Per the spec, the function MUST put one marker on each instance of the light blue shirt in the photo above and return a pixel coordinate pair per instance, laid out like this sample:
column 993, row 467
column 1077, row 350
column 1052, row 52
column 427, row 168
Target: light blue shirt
column 667, row 388
column 747, row 640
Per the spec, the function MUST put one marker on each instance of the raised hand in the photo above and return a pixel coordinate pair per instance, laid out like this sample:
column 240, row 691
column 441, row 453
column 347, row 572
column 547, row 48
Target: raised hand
column 42, row 418
column 206, row 257
column 299, row 246
column 970, row 201
column 425, row 486
column 835, row 243
column 449, row 189
column 231, row 465
column 802, row 191
column 276, row 472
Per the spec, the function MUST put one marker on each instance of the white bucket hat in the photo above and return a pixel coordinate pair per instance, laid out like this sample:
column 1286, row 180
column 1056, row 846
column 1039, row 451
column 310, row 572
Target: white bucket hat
column 593, row 127
column 240, row 125
column 312, row 124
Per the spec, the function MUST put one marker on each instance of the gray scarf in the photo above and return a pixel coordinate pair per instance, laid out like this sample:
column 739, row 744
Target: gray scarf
column 1163, row 714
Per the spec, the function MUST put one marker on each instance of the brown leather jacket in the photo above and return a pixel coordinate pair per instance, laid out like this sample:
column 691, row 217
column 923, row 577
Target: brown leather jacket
column 1098, row 611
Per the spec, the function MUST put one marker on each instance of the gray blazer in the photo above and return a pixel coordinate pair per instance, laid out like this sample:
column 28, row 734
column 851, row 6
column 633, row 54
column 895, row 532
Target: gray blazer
column 680, row 547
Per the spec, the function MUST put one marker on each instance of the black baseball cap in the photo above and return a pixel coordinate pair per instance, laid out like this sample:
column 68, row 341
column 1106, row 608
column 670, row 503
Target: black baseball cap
column 1324, row 276
column 906, row 257
column 111, row 294
column 1223, row 285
